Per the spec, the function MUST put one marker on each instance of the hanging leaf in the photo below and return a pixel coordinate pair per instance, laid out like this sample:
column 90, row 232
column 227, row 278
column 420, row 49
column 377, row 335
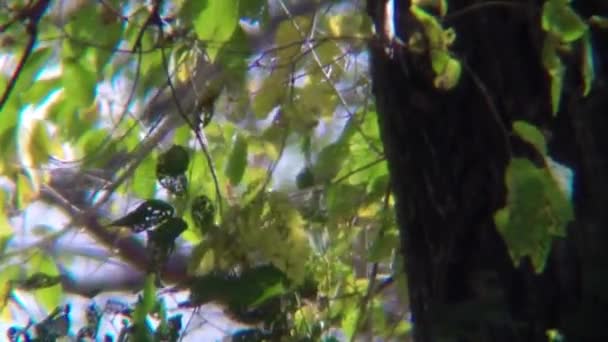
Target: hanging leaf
column 556, row 70
column 562, row 21
column 237, row 161
column 536, row 212
column 587, row 68
column 532, row 135
column 147, row 215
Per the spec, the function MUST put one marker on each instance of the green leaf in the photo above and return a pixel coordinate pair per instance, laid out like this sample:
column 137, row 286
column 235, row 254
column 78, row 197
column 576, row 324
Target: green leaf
column 147, row 302
column 235, row 65
column 536, row 212
column 556, row 70
column 216, row 24
column 144, row 182
column 79, row 83
column 41, row 89
column 587, row 68
column 349, row 321
column 343, row 200
column 561, row 20
column 237, row 161
column 531, row 134
column 48, row 297
column 330, row 161
column 6, row 230
column 450, row 75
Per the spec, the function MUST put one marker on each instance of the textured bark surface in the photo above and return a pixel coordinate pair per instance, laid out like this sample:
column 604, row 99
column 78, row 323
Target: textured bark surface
column 447, row 153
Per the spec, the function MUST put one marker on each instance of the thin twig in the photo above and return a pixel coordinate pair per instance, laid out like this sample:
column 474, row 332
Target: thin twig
column 316, row 58
column 359, row 169
column 30, row 16
column 481, row 5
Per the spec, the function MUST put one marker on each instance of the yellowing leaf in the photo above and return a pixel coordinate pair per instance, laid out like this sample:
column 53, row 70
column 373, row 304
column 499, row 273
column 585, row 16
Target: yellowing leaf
column 27, row 190
column 350, row 25
column 49, row 297
column 5, row 227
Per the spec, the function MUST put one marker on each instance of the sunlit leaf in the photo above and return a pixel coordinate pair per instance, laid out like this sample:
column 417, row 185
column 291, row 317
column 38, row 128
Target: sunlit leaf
column 26, row 191
column 48, row 297
column 6, row 229
column 216, row 23
column 560, row 19
column 349, row 321
column 79, row 83
column 144, row 182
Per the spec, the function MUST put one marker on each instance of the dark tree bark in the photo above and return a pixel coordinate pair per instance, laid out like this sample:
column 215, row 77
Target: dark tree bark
column 447, row 153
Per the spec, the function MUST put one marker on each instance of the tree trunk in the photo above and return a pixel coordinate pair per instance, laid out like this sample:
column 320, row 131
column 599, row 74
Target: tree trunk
column 447, row 153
